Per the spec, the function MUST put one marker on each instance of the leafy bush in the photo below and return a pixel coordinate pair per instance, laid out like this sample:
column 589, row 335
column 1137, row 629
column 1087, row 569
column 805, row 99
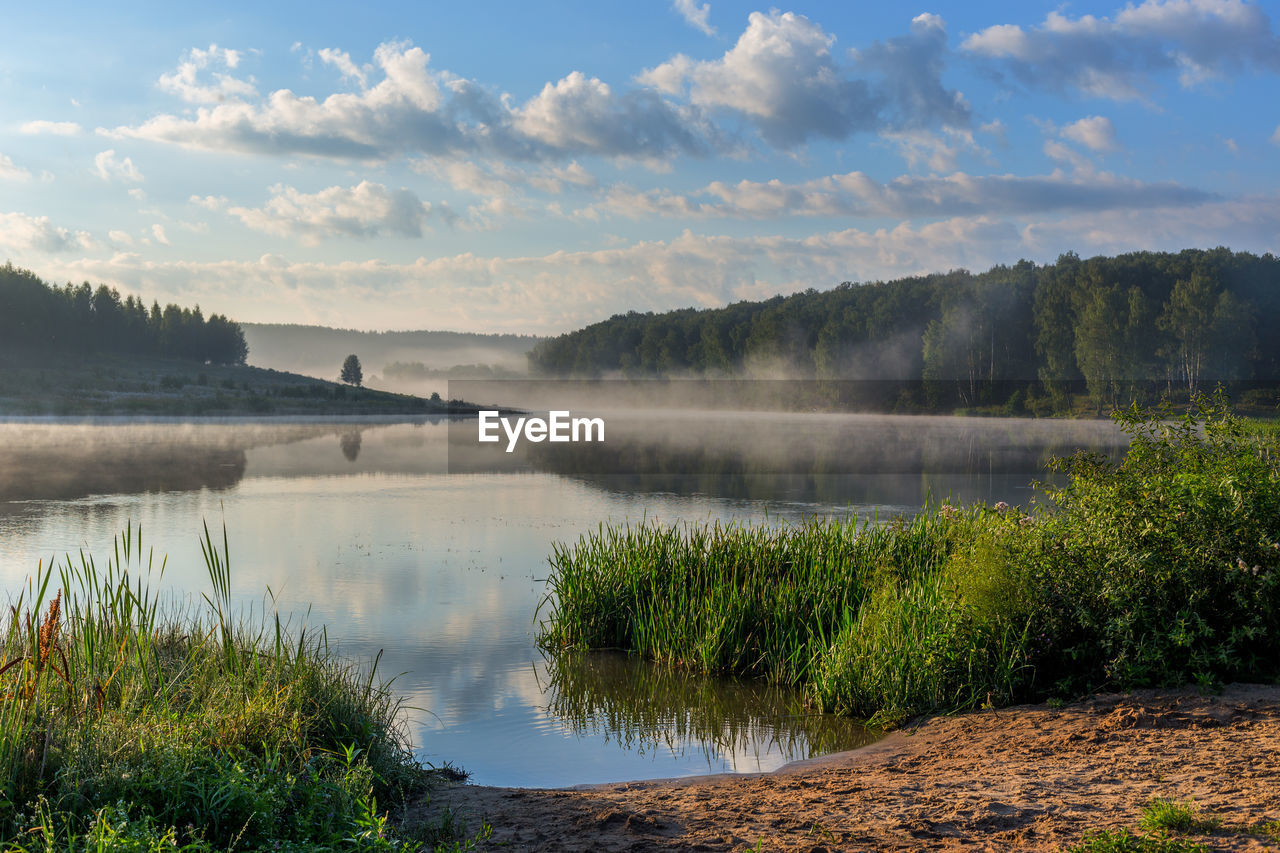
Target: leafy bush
column 1165, row 567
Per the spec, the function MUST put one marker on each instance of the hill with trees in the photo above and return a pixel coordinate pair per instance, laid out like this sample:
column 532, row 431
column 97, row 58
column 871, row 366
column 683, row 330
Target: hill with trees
column 1129, row 325
column 312, row 349
column 38, row 319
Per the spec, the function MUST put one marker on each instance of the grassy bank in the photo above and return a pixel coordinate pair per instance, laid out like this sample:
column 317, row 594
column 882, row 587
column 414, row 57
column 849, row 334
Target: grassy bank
column 126, row 385
column 125, row 725
column 1159, row 570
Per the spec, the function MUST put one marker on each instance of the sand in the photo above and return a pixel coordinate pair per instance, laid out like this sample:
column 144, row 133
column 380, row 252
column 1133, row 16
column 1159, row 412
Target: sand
column 1024, row 778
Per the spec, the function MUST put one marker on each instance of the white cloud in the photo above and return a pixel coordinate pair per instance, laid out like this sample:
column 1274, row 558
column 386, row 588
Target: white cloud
column 583, row 114
column 11, row 172
column 157, row 231
column 122, row 238
column 1064, row 153
column 56, row 128
column 107, row 167
column 1119, row 58
column 996, row 128
column 20, row 232
column 697, row 16
column 209, row 202
column 937, row 151
column 414, row 110
column 365, row 210
column 138, row 194
column 564, row 290
column 783, row 77
column 1095, row 132
column 341, row 60
column 856, row 194
column 185, row 80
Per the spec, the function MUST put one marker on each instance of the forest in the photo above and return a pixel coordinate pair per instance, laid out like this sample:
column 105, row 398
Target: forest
column 38, row 320
column 1116, row 328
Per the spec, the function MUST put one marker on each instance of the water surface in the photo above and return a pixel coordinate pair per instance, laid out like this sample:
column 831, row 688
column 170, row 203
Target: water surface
column 396, row 540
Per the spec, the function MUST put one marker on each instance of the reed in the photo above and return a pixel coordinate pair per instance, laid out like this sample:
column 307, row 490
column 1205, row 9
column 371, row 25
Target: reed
column 862, row 616
column 180, row 726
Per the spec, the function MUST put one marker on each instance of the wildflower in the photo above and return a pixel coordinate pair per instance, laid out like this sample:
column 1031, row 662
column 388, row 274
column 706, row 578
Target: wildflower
column 1002, row 507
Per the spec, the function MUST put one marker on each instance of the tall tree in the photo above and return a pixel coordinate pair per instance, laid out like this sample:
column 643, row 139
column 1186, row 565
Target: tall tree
column 351, row 372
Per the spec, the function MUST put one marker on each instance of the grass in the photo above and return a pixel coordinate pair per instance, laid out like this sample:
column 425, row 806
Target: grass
column 1159, row 570
column 1162, row 821
column 1124, row 841
column 139, row 386
column 125, row 725
column 1174, row 816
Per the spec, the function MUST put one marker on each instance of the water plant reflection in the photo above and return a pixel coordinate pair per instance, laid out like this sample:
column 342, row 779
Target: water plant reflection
column 734, row 723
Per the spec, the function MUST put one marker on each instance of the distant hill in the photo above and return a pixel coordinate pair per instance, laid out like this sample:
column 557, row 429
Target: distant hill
column 1137, row 324
column 319, row 350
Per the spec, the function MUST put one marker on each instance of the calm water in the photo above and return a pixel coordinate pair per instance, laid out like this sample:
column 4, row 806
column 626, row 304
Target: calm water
column 396, row 541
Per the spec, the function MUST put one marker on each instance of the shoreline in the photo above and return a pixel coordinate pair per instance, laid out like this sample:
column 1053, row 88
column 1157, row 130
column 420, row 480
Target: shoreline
column 1028, row 777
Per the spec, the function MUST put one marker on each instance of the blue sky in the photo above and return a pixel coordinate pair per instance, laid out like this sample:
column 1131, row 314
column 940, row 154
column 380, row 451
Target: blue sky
column 528, row 167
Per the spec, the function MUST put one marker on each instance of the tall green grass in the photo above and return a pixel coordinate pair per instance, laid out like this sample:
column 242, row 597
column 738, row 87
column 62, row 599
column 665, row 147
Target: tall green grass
column 1161, row 569
column 125, row 724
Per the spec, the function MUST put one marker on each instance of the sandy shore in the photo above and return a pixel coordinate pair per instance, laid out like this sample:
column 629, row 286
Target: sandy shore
column 1024, row 778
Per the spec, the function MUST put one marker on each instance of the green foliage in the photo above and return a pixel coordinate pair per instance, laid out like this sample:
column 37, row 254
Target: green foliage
column 1123, row 328
column 1164, row 568
column 874, row 621
column 352, row 374
column 1124, row 841
column 1174, row 816
column 1160, row 570
column 126, row 727
column 39, row 318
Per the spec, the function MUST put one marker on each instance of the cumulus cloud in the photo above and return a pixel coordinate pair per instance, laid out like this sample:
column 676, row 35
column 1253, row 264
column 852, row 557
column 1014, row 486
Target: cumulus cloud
column 499, row 179
column 1095, row 132
column 857, row 194
column 1119, row 57
column 414, row 110
column 783, row 77
column 939, row 152
column 107, row 167
column 185, row 81
column 55, row 128
column 157, row 232
column 697, row 16
column 365, row 210
column 911, row 67
column 341, row 60
column 209, row 202
column 120, row 238
column 11, row 172
column 580, row 113
column 20, row 232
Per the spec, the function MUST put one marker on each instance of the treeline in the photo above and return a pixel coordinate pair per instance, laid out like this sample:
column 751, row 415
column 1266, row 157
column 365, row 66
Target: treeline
column 38, row 318
column 1125, row 326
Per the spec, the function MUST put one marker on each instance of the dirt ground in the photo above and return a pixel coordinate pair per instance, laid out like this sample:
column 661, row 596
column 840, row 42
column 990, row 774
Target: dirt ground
column 1023, row 778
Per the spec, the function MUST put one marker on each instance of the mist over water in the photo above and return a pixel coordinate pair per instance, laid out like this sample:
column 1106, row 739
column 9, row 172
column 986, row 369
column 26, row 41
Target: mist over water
column 400, row 537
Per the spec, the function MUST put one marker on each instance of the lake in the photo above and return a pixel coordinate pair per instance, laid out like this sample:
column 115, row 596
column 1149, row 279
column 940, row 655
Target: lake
column 401, row 537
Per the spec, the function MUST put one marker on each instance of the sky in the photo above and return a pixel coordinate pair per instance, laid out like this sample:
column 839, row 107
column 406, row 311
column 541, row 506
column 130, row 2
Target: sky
column 535, row 167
